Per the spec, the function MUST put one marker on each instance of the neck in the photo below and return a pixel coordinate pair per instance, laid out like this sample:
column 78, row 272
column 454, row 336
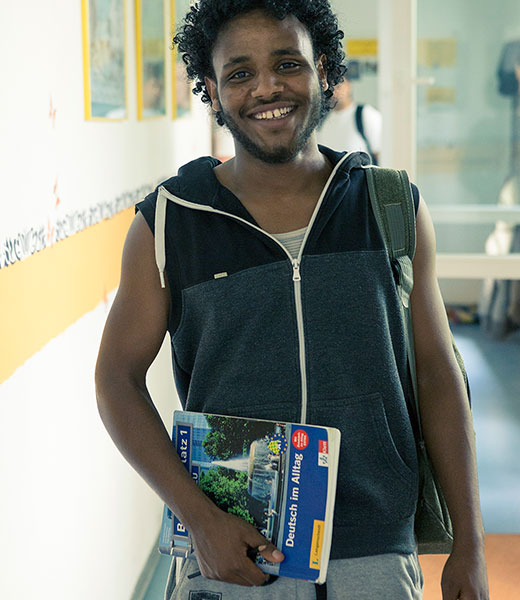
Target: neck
column 245, row 174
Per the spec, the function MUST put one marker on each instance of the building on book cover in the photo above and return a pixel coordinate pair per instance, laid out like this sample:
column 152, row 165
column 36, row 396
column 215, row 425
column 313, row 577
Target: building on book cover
column 280, row 477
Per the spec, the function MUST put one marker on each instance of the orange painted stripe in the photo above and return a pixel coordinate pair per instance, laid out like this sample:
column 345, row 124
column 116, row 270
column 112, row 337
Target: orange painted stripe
column 45, row 293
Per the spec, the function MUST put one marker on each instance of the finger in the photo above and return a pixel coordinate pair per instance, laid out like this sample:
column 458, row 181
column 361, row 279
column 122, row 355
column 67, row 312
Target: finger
column 450, row 592
column 264, row 547
column 251, row 573
column 270, row 552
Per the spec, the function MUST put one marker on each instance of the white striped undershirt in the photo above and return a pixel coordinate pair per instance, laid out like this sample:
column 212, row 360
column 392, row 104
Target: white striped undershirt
column 292, row 240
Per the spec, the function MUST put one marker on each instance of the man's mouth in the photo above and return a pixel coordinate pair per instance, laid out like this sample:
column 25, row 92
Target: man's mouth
column 277, row 113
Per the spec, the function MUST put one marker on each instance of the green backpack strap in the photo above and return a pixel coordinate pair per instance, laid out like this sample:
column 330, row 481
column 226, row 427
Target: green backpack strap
column 392, row 204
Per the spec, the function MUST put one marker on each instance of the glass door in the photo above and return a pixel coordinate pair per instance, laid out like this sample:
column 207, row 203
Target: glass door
column 468, row 166
column 452, row 121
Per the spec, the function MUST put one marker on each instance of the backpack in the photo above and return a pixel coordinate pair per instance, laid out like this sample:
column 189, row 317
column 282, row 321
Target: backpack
column 361, row 129
column 393, row 206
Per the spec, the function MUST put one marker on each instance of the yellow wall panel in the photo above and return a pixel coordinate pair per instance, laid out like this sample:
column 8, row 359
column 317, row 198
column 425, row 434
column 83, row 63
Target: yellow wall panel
column 358, row 47
column 45, row 293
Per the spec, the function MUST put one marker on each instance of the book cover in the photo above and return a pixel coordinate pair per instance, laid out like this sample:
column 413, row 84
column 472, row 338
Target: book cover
column 280, row 477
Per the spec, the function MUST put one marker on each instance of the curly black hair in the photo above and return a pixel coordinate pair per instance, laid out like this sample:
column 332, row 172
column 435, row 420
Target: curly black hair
column 198, row 32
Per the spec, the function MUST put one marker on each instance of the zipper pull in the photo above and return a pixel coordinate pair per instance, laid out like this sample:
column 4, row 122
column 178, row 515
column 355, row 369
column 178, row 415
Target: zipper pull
column 296, row 270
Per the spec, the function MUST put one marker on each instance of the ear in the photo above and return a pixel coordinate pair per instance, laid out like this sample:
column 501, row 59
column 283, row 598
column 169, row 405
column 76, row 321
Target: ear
column 211, row 86
column 321, row 65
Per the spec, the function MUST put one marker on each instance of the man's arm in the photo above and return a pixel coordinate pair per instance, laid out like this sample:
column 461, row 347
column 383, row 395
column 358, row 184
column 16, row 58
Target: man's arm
column 133, row 335
column 447, row 423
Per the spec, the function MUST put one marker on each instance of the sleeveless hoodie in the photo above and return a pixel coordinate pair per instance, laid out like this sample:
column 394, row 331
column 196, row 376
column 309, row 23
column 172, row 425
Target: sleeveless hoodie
column 317, row 339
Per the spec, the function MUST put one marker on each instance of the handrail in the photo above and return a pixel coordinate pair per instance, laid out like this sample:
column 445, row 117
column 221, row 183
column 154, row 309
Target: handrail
column 478, row 266
column 474, row 213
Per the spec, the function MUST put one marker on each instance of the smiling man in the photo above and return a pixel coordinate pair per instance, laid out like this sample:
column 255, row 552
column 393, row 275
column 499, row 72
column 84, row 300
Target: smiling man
column 278, row 131
column 275, row 287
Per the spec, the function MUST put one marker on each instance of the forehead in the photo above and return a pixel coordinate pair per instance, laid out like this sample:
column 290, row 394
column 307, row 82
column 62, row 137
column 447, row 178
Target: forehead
column 256, row 33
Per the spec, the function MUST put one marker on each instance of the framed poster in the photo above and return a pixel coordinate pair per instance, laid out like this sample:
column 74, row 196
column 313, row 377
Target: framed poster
column 104, row 59
column 181, row 87
column 151, row 58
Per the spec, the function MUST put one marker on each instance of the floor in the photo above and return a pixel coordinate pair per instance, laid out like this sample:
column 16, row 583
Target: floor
column 155, row 590
column 494, row 373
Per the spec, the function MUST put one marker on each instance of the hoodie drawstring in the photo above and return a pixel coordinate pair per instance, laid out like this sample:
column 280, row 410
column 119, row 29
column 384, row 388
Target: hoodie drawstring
column 159, row 237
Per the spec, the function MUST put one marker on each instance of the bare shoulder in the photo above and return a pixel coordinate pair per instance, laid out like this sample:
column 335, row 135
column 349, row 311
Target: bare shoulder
column 137, row 322
column 424, row 260
column 139, row 257
column 431, row 330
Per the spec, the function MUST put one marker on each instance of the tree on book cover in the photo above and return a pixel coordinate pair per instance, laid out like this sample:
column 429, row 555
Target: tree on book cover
column 230, row 436
column 244, row 476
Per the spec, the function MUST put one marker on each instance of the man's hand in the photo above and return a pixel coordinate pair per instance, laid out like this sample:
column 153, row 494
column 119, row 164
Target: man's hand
column 464, row 576
column 222, row 544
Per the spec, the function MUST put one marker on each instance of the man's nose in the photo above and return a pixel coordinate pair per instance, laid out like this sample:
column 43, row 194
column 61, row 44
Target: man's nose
column 267, row 84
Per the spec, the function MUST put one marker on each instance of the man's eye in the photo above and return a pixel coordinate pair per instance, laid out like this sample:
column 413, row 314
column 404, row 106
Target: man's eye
column 289, row 65
column 239, row 75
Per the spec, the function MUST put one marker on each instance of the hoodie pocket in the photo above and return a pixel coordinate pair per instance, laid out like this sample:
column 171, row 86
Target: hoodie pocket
column 374, row 481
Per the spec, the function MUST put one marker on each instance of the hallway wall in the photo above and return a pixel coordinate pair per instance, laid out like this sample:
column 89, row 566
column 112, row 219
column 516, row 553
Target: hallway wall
column 76, row 521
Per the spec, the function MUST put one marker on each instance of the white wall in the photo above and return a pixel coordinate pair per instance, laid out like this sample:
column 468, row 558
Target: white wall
column 76, row 522
column 41, row 62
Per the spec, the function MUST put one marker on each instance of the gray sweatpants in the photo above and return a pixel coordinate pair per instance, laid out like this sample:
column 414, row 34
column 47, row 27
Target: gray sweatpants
column 382, row 577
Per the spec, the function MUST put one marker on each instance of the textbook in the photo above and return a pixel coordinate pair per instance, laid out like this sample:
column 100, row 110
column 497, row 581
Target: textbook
column 280, row 477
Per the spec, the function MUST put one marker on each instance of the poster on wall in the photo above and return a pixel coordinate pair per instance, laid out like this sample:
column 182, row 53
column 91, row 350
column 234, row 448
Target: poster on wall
column 151, row 58
column 104, row 60
column 181, row 95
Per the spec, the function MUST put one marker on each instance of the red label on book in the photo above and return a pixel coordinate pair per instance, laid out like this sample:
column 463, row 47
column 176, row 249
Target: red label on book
column 324, row 447
column 300, row 439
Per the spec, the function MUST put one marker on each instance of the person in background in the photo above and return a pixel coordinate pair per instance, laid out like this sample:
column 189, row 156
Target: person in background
column 153, row 86
column 352, row 126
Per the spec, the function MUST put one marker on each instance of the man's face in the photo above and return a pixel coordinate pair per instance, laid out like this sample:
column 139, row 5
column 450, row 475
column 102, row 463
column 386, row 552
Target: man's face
column 268, row 87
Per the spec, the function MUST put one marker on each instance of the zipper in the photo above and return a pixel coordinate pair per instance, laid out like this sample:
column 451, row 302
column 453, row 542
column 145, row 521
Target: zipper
column 296, row 270
column 295, row 263
column 297, row 282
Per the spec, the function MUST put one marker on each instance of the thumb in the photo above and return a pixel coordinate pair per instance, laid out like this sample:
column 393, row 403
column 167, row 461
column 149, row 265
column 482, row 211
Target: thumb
column 259, row 544
column 270, row 552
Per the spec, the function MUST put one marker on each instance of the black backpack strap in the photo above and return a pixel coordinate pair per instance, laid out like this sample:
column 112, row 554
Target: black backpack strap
column 359, row 120
column 361, row 129
column 393, row 206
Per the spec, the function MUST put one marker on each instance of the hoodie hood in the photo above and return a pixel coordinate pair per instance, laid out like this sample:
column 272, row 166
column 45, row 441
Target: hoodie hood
column 196, row 181
column 196, row 186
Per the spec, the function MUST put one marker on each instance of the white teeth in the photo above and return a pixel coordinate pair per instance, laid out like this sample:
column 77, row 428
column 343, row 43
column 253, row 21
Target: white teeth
column 277, row 113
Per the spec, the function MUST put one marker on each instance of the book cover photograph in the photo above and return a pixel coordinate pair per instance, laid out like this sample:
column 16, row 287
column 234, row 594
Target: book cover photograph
column 280, row 477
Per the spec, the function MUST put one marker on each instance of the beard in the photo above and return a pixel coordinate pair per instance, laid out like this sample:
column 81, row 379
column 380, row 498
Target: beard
column 282, row 153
